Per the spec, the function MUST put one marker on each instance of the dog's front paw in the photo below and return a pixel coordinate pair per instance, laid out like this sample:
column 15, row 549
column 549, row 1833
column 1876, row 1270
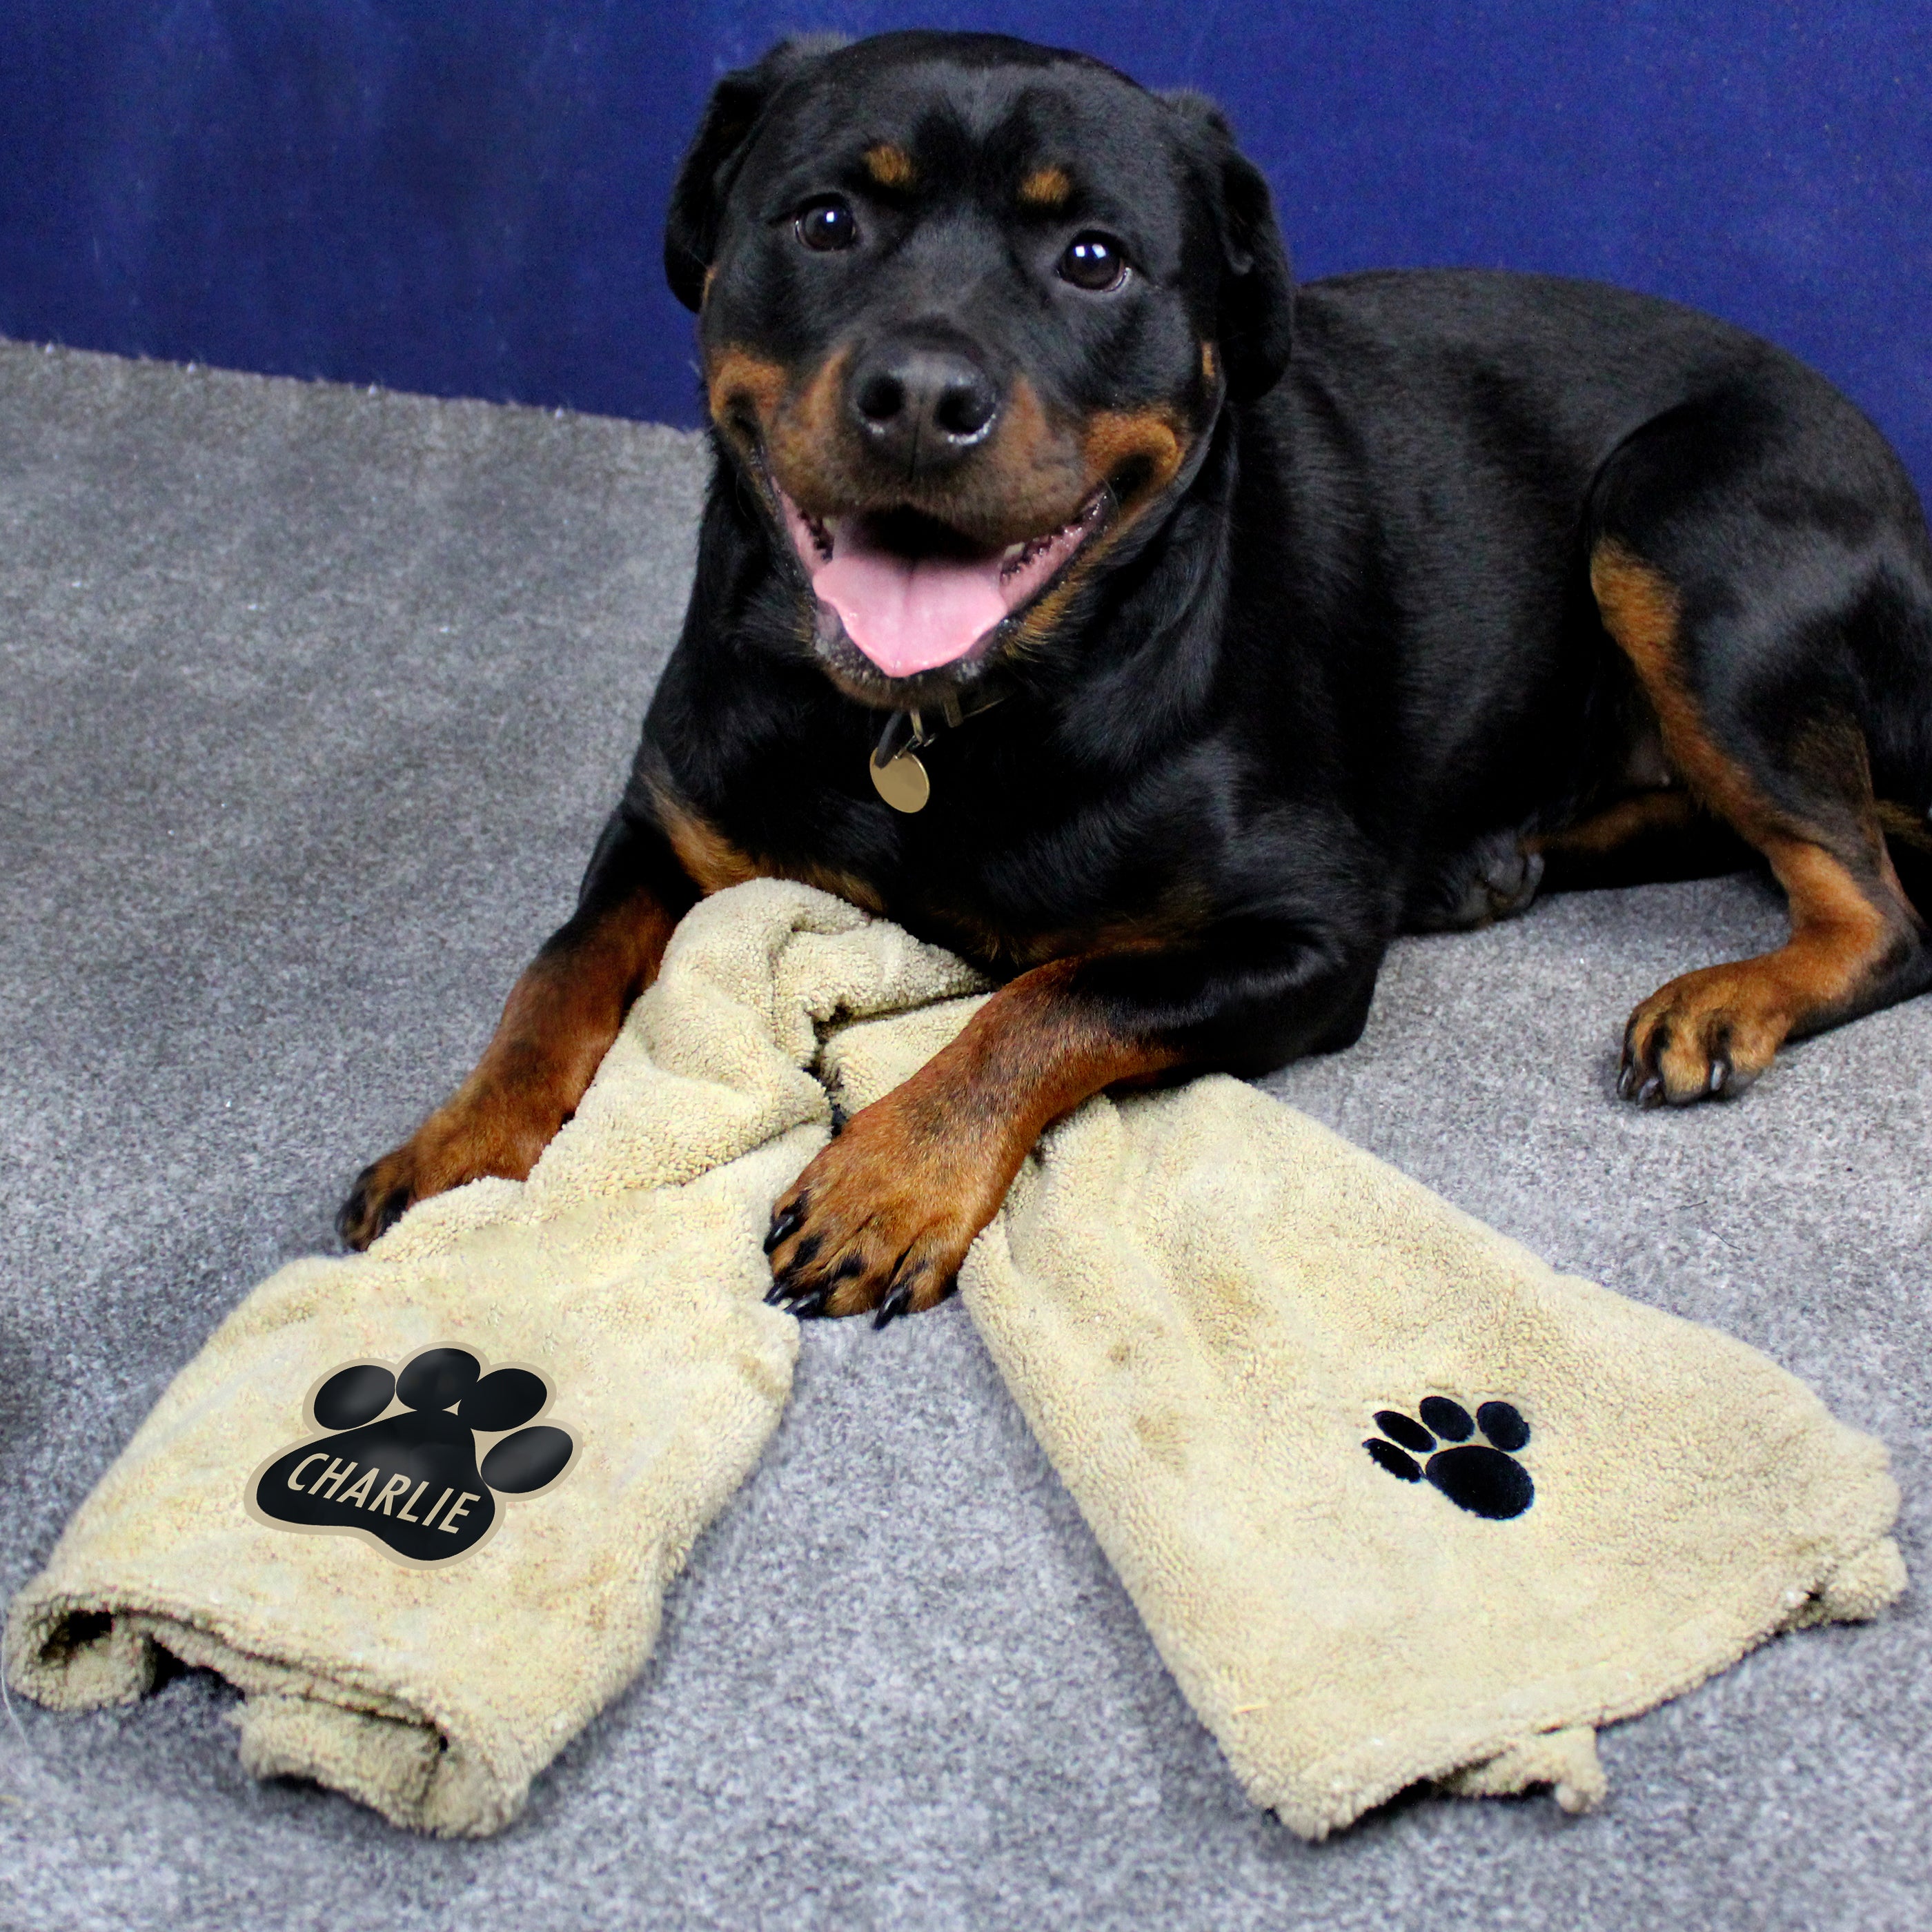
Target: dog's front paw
column 473, row 1137
column 882, row 1217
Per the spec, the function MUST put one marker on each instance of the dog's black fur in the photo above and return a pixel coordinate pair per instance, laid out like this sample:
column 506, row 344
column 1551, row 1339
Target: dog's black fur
column 1403, row 580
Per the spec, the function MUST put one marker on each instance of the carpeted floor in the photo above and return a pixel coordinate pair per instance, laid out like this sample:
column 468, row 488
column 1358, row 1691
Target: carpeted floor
column 313, row 701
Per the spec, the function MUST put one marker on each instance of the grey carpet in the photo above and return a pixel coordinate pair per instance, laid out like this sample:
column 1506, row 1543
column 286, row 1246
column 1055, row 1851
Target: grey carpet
column 313, row 702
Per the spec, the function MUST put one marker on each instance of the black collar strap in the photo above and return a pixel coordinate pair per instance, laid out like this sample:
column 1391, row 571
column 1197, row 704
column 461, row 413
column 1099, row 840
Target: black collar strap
column 912, row 731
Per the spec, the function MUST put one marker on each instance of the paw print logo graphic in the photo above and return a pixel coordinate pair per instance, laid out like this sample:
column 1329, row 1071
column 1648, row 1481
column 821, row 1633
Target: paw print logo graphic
column 400, row 1462
column 1485, row 1478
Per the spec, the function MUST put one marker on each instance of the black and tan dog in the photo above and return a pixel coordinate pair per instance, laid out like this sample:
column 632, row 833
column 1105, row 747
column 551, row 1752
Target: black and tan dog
column 1205, row 634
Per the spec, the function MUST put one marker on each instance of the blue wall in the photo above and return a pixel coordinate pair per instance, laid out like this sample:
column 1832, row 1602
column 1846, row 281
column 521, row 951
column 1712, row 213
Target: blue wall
column 464, row 197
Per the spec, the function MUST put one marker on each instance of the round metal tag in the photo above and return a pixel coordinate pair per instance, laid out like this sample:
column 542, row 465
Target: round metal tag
column 903, row 783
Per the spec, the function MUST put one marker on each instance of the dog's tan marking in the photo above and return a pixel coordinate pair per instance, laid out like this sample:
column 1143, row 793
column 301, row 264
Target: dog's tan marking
column 1848, row 927
column 913, row 1178
column 1034, row 465
column 1642, row 815
column 715, row 862
column 1641, row 611
column 1047, row 189
column 803, row 436
column 739, row 383
column 1141, row 452
column 818, row 409
column 1208, row 364
column 1044, row 614
column 890, row 166
column 1660, row 832
column 1177, row 920
column 1152, row 442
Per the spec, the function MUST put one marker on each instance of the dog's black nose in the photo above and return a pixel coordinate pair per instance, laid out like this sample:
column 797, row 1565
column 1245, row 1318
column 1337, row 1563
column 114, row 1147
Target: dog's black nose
column 923, row 407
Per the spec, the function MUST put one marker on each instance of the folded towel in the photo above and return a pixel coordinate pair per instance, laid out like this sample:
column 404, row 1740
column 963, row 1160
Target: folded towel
column 1397, row 1501
column 431, row 1666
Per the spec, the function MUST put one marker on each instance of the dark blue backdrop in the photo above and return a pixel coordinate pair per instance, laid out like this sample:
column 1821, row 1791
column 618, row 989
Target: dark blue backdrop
column 464, row 196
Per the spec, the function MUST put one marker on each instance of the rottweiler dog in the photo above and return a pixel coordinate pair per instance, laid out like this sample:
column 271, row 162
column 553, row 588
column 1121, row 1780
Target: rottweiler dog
column 1077, row 591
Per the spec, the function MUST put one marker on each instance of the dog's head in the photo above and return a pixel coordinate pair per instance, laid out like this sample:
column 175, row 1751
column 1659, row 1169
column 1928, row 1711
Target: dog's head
column 969, row 308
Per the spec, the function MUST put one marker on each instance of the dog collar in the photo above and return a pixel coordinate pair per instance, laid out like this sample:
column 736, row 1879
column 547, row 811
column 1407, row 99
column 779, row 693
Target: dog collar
column 899, row 776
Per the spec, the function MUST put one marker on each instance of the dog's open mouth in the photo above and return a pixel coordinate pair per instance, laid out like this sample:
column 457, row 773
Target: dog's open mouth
column 913, row 595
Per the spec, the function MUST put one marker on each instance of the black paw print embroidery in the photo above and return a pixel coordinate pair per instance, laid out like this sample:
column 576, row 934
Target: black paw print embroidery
column 1484, row 1478
column 401, row 1465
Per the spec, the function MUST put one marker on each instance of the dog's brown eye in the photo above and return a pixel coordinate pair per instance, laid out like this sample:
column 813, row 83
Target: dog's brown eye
column 827, row 225
column 1093, row 262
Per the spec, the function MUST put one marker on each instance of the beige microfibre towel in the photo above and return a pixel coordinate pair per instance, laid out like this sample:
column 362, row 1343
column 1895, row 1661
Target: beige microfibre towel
column 1396, row 1501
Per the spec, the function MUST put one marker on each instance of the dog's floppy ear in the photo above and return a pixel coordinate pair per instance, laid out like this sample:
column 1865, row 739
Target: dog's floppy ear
column 1255, row 319
column 710, row 164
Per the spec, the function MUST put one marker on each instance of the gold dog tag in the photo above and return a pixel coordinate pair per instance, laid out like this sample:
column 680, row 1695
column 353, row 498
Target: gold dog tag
column 901, row 782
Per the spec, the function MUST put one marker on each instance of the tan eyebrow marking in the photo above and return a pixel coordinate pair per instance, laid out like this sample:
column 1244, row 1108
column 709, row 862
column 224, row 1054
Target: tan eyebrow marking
column 888, row 166
column 1207, row 361
column 1047, row 188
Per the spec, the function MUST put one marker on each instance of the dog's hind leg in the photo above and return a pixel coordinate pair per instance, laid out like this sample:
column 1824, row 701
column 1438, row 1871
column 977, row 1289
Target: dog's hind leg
column 1637, row 839
column 1495, row 877
column 1753, row 635
column 1661, row 832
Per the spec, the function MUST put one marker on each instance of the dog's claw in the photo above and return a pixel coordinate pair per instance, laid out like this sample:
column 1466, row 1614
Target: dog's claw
column 786, row 1224
column 347, row 1218
column 1651, row 1093
column 898, row 1299
column 364, row 1216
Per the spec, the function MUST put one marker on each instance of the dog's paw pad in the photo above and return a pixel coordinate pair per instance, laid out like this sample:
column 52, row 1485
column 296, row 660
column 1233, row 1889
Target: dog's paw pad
column 1485, row 1478
column 399, row 1465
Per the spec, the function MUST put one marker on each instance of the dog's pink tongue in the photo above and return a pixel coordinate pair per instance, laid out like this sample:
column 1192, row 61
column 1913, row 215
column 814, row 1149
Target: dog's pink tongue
column 908, row 615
